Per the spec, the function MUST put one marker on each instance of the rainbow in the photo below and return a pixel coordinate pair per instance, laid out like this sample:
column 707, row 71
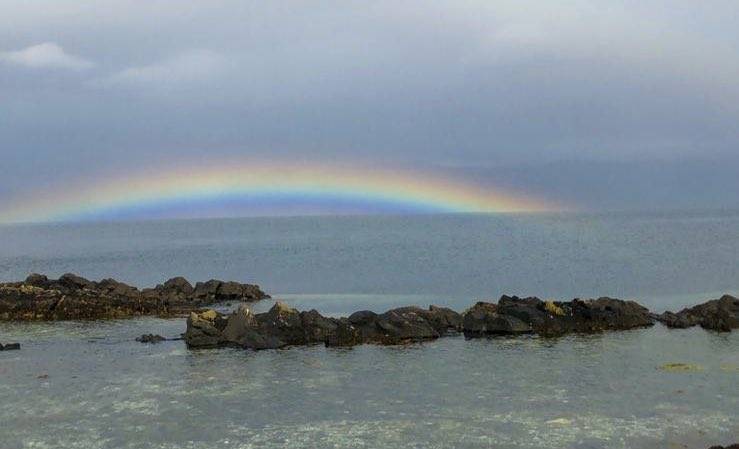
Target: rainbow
column 402, row 189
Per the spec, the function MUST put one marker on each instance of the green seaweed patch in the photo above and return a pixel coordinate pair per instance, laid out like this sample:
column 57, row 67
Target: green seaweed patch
column 680, row 367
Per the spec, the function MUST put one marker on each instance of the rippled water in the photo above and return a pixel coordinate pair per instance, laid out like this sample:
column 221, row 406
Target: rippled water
column 90, row 385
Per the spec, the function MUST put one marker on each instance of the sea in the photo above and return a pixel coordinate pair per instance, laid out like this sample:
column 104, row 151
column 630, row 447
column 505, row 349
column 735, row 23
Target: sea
column 91, row 385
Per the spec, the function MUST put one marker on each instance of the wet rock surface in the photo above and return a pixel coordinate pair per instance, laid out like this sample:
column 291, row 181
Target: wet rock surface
column 150, row 338
column 284, row 326
column 513, row 315
column 72, row 297
column 718, row 314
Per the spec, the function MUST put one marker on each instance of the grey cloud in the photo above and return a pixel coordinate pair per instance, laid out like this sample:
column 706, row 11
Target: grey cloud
column 445, row 84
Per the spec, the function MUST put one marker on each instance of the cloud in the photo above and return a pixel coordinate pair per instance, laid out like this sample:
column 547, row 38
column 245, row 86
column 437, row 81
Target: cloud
column 193, row 66
column 45, row 55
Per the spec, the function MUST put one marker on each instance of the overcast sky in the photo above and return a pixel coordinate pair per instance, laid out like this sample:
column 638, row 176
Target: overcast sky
column 607, row 104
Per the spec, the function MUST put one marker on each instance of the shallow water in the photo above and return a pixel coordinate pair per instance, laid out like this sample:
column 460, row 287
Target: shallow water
column 90, row 385
column 105, row 390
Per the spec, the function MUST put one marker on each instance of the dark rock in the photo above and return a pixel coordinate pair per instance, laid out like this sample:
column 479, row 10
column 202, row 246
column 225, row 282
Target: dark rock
column 202, row 331
column 73, row 281
column 719, row 315
column 180, row 285
column 483, row 319
column 362, row 317
column 150, row 338
column 72, row 297
column 345, row 335
column 513, row 315
column 37, row 280
column 284, row 326
column 317, row 328
column 243, row 329
column 207, row 289
column 733, row 446
column 10, row 346
column 402, row 325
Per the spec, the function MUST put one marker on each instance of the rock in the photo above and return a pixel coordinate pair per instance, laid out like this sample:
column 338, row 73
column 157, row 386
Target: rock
column 484, row 319
column 513, row 315
column 202, row 331
column 345, row 335
column 37, row 280
column 243, row 329
column 180, row 285
column 284, row 326
column 317, row 328
column 10, row 347
column 402, row 325
column 733, row 446
column 362, row 317
column 443, row 319
column 150, row 338
column 73, row 281
column 719, row 315
column 72, row 297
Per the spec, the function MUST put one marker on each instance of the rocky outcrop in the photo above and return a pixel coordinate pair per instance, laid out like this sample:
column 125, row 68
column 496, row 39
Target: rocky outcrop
column 718, row 314
column 10, row 346
column 513, row 315
column 72, row 297
column 284, row 326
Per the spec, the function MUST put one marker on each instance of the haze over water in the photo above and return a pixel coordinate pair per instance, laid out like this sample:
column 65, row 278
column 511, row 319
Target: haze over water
column 104, row 390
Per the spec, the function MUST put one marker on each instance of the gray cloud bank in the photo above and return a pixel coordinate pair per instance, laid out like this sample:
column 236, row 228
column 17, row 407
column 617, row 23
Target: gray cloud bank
column 539, row 96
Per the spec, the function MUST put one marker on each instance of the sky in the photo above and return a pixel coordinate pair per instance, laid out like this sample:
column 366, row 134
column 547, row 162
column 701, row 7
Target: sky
column 599, row 105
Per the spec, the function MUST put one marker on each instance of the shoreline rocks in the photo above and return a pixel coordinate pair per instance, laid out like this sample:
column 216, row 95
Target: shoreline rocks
column 513, row 315
column 718, row 314
column 72, row 297
column 284, row 326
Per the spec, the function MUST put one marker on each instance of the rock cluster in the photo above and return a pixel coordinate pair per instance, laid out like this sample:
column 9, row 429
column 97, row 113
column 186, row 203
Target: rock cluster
column 284, row 326
column 72, row 297
column 718, row 314
column 513, row 315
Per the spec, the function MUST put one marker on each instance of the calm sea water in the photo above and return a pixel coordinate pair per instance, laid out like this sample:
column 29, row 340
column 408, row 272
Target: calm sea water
column 89, row 385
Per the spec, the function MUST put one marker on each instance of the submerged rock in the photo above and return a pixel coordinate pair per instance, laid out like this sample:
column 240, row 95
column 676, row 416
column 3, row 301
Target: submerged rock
column 150, row 338
column 10, row 346
column 72, row 297
column 680, row 367
column 718, row 314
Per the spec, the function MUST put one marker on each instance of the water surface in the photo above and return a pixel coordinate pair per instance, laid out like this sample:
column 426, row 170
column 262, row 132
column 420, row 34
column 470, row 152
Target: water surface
column 90, row 385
